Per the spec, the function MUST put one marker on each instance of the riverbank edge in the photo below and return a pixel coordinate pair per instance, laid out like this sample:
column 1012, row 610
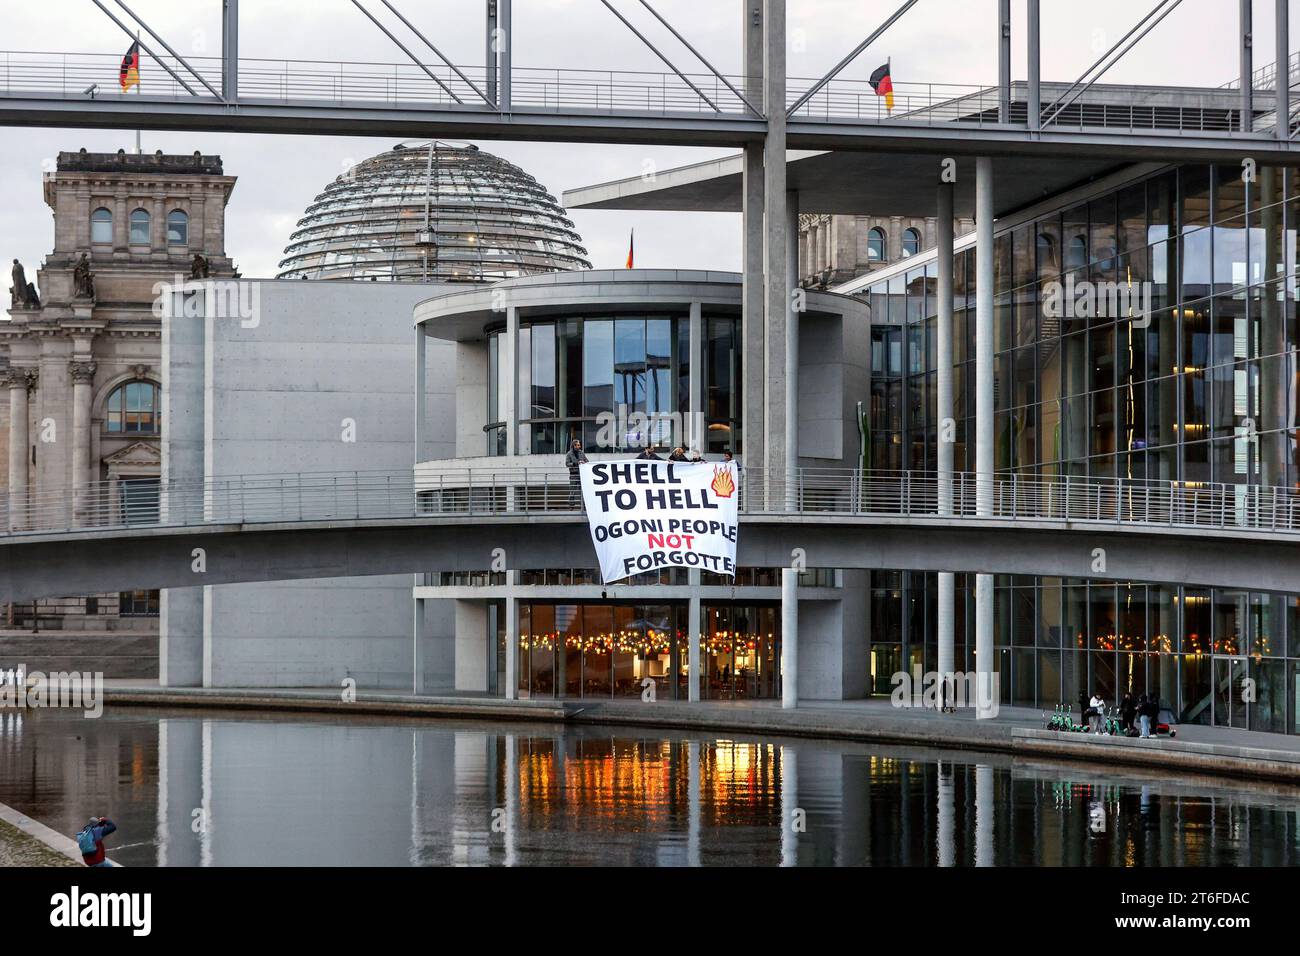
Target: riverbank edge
column 1222, row 760
column 38, row 833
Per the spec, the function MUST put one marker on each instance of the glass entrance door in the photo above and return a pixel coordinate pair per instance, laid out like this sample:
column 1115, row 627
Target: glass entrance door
column 1230, row 692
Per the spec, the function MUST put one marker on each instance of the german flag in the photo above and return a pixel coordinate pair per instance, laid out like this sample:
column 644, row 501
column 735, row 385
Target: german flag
column 129, row 75
column 631, row 241
column 883, row 85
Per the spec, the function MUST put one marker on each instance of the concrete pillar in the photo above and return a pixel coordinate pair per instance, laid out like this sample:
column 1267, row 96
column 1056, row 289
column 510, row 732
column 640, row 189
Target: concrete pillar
column 1247, row 85
column 18, row 447
column 693, row 632
column 417, row 643
column 1032, row 51
column 490, row 50
column 83, row 377
column 504, row 42
column 508, row 367
column 775, row 263
column 230, row 50
column 512, row 636
column 1004, row 61
column 791, row 349
column 421, row 397
column 1282, row 81
column 985, row 666
column 789, row 638
column 753, row 373
column 180, row 637
column 946, row 430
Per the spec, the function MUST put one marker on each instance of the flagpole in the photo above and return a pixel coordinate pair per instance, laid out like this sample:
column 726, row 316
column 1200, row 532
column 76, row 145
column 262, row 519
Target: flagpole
column 139, row 86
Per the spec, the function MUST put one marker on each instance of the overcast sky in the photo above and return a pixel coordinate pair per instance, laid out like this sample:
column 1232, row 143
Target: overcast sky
column 938, row 41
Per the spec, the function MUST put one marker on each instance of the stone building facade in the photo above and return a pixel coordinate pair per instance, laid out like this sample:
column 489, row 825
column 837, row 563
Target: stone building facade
column 835, row 249
column 80, row 398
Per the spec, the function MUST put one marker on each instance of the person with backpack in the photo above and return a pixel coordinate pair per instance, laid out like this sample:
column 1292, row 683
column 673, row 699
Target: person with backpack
column 90, row 840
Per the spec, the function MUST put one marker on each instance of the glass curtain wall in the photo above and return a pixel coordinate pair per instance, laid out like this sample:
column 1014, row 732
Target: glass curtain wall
column 617, row 383
column 610, row 650
column 1147, row 333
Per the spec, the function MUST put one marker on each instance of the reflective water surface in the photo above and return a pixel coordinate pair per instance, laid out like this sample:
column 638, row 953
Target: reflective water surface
column 195, row 789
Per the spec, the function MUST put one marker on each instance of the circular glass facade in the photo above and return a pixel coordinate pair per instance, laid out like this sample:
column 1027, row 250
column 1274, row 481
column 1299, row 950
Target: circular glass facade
column 460, row 215
column 617, row 383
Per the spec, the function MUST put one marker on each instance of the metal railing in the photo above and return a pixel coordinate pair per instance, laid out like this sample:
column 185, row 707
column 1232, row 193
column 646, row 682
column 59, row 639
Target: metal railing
column 601, row 92
column 511, row 491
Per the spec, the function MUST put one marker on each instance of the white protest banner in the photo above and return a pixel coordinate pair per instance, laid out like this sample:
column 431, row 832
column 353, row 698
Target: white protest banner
column 645, row 515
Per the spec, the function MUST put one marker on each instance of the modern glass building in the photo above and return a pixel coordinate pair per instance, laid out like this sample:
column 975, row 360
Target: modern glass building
column 622, row 360
column 1192, row 379
column 446, row 212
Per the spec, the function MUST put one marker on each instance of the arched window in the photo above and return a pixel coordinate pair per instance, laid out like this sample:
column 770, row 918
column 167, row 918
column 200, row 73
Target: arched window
column 139, row 228
column 911, row 242
column 178, row 228
column 134, row 408
column 101, row 226
column 876, row 245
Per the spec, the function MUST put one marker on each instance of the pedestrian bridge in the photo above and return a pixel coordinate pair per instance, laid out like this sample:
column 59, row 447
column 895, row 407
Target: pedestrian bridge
column 124, row 535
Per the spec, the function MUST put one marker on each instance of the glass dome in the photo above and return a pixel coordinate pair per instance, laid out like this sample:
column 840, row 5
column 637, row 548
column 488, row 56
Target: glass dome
column 446, row 212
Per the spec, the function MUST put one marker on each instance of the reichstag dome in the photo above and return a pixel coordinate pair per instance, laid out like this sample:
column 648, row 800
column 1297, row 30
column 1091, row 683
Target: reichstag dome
column 444, row 212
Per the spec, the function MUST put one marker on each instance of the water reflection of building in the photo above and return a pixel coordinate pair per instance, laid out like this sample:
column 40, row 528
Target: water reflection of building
column 618, row 360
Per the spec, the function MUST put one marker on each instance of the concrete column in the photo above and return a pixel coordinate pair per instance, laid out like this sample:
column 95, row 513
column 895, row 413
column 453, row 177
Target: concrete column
column 775, row 262
column 1247, row 85
column 985, row 666
column 504, row 42
column 417, row 643
column 421, row 397
column 18, row 448
column 230, row 50
column 1032, row 50
column 696, row 436
column 946, row 431
column 792, row 348
column 693, row 632
column 508, row 366
column 512, row 636
column 490, row 50
column 753, row 372
column 789, row 638
column 83, row 375
column 1004, row 61
column 1282, row 82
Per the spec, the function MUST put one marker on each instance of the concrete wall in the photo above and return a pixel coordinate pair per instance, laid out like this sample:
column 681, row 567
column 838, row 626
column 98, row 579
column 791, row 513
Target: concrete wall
column 321, row 379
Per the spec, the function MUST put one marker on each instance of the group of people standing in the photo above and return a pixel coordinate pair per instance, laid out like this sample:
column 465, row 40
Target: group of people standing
column 1138, row 716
